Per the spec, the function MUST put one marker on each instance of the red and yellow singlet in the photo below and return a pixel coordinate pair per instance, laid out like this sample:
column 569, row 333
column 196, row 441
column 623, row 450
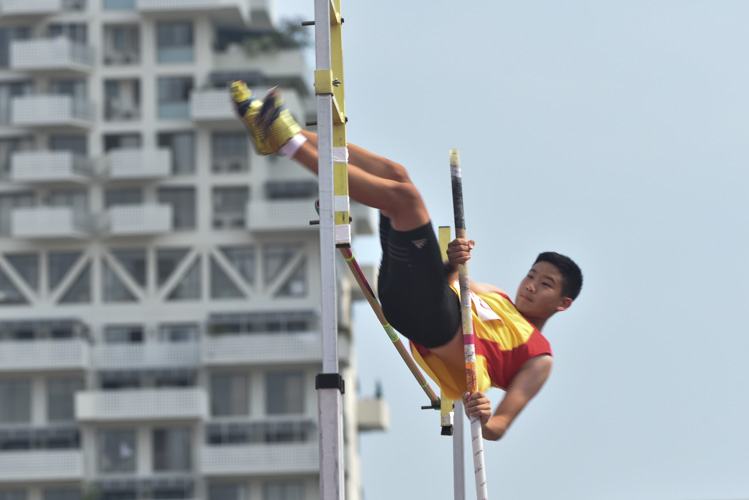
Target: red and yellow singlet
column 504, row 340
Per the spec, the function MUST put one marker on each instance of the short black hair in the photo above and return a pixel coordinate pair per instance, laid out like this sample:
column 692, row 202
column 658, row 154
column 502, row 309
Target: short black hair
column 572, row 276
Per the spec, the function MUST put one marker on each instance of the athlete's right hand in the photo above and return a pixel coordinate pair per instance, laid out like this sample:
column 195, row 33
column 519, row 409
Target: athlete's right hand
column 459, row 251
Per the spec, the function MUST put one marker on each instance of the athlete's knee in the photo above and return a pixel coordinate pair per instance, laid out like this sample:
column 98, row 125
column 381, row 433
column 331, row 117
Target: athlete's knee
column 397, row 172
column 405, row 196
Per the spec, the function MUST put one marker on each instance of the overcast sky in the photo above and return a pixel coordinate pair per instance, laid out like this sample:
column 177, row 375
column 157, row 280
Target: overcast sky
column 614, row 132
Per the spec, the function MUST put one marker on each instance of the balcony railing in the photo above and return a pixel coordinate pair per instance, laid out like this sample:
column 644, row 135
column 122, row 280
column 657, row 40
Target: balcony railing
column 170, row 6
column 164, row 355
column 141, row 404
column 281, row 215
column 139, row 163
column 260, row 459
column 274, row 348
column 128, row 220
column 41, row 466
column 29, row 7
column 212, row 105
column 49, row 167
column 50, row 55
column 50, row 222
column 43, row 355
column 51, row 111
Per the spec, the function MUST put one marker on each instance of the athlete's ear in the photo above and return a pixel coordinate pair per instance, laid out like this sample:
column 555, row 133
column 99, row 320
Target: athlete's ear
column 564, row 304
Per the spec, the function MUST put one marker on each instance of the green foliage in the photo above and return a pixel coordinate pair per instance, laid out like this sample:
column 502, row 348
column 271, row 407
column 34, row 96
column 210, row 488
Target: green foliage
column 290, row 34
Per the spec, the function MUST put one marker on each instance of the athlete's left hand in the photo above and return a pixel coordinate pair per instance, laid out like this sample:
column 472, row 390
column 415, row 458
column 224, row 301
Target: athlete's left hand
column 477, row 405
column 459, row 251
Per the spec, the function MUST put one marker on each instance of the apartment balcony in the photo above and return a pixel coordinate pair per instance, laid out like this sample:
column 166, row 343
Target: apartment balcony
column 141, row 404
column 260, row 459
column 225, row 12
column 139, row 164
column 29, row 8
column 281, row 215
column 163, row 355
column 372, row 415
column 50, row 167
column 52, row 112
column 50, row 223
column 212, row 105
column 51, row 57
column 44, row 355
column 36, row 466
column 269, row 348
column 138, row 220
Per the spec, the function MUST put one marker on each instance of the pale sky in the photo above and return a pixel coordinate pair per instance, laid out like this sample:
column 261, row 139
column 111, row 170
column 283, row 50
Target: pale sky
column 611, row 131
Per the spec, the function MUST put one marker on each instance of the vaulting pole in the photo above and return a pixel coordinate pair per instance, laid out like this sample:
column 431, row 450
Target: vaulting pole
column 467, row 322
column 392, row 334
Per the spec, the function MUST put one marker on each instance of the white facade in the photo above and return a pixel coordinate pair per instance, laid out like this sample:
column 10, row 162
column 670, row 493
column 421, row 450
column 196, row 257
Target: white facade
column 159, row 283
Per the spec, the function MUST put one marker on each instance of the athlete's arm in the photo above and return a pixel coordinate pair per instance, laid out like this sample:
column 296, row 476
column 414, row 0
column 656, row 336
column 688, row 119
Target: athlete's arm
column 526, row 384
column 459, row 252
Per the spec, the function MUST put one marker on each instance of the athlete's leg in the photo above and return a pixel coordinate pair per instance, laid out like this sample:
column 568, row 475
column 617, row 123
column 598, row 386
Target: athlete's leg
column 368, row 161
column 398, row 198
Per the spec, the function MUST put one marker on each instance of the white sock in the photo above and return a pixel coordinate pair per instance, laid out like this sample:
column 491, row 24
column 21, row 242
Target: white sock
column 290, row 148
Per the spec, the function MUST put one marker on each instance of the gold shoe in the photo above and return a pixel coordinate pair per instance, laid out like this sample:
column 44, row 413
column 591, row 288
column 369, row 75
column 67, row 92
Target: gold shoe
column 269, row 121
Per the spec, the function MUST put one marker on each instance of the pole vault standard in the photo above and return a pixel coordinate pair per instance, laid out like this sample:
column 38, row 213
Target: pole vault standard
column 335, row 230
column 477, row 439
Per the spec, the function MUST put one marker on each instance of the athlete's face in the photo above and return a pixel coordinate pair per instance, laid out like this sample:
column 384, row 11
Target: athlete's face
column 540, row 293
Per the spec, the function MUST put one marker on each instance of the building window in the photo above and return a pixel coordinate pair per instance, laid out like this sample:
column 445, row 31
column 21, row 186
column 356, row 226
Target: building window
column 61, row 398
column 229, row 207
column 276, row 258
column 121, row 141
column 15, row 401
column 75, row 32
column 134, row 262
column 8, row 202
column 182, row 201
column 122, row 100
column 114, row 290
column 12, row 144
column 230, row 394
column 126, row 493
column 7, row 35
column 189, row 286
column 171, row 450
column 225, row 491
column 60, row 264
column 174, row 97
column 287, row 490
column 296, row 285
column 80, row 291
column 119, row 4
column 243, row 260
column 77, row 199
column 123, row 334
column 284, row 393
column 74, row 143
column 121, row 43
column 182, row 146
column 9, row 292
column 123, row 196
column 62, row 494
column 167, row 261
column 230, row 152
column 222, row 287
column 117, row 450
column 174, row 42
column 27, row 266
column 12, row 494
column 178, row 333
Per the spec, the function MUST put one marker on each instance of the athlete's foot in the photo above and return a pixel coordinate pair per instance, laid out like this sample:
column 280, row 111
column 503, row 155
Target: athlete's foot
column 268, row 121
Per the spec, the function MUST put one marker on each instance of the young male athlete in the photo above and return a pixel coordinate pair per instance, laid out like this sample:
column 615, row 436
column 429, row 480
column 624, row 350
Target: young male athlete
column 417, row 290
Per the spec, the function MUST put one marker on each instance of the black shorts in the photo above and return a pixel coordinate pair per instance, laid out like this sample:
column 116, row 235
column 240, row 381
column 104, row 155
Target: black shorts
column 414, row 293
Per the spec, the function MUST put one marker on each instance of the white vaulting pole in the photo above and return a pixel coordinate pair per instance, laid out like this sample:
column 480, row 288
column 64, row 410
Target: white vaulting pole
column 477, row 439
column 459, row 477
column 329, row 383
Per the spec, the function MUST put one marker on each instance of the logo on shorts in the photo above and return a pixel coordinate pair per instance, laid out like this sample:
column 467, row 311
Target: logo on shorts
column 420, row 243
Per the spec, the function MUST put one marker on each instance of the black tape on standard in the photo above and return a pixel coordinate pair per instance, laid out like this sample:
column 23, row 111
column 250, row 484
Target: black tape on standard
column 330, row 381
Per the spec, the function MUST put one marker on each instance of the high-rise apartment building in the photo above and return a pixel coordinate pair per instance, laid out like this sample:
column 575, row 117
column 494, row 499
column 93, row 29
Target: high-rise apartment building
column 159, row 282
